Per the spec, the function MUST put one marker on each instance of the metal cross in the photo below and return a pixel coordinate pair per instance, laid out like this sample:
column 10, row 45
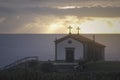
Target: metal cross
column 69, row 29
column 78, row 28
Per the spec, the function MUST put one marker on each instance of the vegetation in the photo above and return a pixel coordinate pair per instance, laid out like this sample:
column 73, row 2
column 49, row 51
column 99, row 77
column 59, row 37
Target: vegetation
column 47, row 67
column 32, row 75
column 35, row 70
column 103, row 66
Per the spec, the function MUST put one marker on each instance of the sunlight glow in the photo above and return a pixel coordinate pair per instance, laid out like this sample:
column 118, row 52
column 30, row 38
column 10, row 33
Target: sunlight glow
column 87, row 25
column 98, row 25
column 101, row 25
column 53, row 27
column 67, row 7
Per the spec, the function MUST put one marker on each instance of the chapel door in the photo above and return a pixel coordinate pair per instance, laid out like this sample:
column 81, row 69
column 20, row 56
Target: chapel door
column 69, row 54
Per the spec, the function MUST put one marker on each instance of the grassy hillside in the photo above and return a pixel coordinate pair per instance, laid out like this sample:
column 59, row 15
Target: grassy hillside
column 109, row 66
column 36, row 70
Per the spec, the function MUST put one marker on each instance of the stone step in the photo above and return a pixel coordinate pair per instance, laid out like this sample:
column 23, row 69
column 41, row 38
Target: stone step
column 65, row 67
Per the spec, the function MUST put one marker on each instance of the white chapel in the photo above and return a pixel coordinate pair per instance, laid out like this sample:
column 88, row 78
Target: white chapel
column 74, row 47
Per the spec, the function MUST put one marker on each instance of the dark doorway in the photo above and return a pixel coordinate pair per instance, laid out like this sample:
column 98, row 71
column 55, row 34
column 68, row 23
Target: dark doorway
column 69, row 54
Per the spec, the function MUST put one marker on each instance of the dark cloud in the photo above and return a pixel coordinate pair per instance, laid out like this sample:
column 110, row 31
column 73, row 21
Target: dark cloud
column 29, row 9
column 28, row 14
column 51, row 3
column 13, row 22
column 46, row 7
column 6, row 10
column 82, row 12
column 97, row 12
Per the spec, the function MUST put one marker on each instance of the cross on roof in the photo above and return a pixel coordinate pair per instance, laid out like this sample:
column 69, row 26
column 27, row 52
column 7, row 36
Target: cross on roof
column 78, row 28
column 69, row 29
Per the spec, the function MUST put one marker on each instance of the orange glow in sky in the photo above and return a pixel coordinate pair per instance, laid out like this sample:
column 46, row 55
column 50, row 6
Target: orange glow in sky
column 54, row 16
column 86, row 24
column 58, row 25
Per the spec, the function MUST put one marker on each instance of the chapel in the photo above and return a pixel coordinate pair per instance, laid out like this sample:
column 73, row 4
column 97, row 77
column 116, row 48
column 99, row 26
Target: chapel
column 75, row 47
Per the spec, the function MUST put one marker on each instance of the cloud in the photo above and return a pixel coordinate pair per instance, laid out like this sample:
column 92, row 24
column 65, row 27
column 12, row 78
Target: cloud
column 6, row 10
column 53, row 3
column 2, row 19
column 58, row 24
column 82, row 3
column 95, row 8
column 14, row 22
column 31, row 16
column 37, row 24
column 90, row 12
column 82, row 12
column 44, row 24
column 67, row 7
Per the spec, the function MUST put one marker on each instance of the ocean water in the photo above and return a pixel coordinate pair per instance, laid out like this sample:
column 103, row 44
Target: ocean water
column 17, row 46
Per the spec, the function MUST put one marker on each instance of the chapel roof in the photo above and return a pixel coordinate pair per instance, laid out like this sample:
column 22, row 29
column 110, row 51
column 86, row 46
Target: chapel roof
column 79, row 38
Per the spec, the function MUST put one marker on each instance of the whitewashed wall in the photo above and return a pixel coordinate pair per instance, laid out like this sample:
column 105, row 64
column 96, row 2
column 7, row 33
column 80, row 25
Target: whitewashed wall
column 78, row 52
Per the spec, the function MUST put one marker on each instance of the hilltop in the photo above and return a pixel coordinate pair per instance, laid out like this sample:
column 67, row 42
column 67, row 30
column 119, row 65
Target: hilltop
column 33, row 69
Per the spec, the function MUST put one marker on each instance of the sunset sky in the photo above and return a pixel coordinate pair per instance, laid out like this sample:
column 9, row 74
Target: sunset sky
column 54, row 16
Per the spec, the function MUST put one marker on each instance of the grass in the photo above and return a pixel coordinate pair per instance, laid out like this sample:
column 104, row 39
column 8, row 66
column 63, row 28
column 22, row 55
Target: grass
column 102, row 70
column 109, row 66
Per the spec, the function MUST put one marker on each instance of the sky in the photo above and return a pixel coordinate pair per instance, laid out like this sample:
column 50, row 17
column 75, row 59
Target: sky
column 54, row 16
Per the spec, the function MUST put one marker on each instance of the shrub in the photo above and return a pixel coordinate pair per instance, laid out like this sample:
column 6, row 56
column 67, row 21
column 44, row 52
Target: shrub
column 33, row 63
column 47, row 67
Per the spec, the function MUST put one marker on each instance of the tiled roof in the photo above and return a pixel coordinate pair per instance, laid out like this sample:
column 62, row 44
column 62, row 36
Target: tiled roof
column 78, row 38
